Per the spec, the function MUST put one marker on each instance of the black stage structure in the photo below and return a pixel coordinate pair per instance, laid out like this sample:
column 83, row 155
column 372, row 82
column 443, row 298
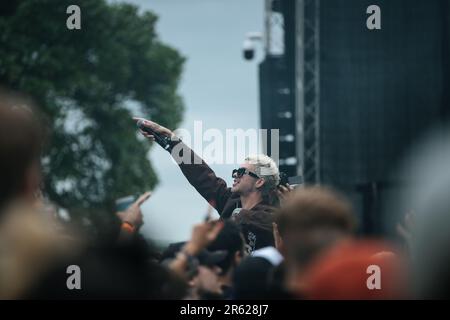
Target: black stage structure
column 349, row 101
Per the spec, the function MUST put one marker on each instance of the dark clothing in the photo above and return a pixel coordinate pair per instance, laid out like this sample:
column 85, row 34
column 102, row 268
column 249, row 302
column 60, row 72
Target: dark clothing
column 256, row 223
column 256, row 278
column 227, row 292
column 251, row 279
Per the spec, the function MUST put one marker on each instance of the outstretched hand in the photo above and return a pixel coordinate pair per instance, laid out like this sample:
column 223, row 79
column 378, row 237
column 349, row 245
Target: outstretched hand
column 155, row 127
column 133, row 215
column 202, row 235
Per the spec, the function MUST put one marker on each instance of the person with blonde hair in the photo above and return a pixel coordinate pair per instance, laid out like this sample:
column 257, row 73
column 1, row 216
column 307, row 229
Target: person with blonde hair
column 250, row 201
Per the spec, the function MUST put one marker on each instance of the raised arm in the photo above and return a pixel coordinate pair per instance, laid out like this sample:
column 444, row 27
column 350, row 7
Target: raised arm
column 196, row 171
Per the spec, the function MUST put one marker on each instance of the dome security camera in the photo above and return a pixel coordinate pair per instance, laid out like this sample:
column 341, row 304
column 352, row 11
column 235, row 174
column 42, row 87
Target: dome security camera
column 248, row 49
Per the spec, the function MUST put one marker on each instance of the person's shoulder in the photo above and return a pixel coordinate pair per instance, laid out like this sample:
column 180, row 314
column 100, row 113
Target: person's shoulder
column 264, row 208
column 259, row 213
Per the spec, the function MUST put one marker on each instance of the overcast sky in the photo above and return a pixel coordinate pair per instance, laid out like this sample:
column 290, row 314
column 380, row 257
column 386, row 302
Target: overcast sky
column 219, row 88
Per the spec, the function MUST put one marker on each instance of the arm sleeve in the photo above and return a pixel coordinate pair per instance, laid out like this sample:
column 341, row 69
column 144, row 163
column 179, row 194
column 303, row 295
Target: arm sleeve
column 201, row 176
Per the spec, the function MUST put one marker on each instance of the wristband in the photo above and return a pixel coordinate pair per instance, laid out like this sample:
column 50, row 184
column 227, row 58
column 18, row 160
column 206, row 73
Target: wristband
column 128, row 227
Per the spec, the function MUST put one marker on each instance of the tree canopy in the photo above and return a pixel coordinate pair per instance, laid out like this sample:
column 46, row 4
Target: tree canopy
column 89, row 83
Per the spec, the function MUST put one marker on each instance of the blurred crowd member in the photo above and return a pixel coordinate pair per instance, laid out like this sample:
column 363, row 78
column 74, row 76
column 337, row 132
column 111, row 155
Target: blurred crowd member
column 29, row 246
column 21, row 140
column 427, row 227
column 110, row 272
column 196, row 265
column 249, row 201
column 202, row 235
column 255, row 278
column 29, row 243
column 126, row 269
column 34, row 255
column 311, row 220
column 356, row 270
column 111, row 269
column 205, row 284
column 230, row 240
column 200, row 272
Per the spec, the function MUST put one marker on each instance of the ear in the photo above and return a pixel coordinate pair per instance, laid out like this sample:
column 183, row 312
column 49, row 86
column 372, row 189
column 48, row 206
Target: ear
column 259, row 183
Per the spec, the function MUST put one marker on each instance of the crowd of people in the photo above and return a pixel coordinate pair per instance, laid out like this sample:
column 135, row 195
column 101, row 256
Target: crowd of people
column 271, row 241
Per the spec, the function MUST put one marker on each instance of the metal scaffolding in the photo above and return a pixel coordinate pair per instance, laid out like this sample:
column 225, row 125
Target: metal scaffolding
column 290, row 81
column 276, row 83
column 308, row 88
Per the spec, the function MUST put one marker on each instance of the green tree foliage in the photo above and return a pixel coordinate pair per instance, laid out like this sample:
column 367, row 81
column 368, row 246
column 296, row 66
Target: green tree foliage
column 89, row 83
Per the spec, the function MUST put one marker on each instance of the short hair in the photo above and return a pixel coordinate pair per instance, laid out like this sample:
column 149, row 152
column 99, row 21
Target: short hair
column 266, row 168
column 311, row 220
column 312, row 207
column 21, row 139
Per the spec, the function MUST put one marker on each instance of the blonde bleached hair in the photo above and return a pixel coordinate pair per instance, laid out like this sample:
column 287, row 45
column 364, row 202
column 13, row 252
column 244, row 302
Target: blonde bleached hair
column 267, row 169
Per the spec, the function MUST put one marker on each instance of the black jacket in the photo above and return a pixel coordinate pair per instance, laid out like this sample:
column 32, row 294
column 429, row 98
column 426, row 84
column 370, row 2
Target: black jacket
column 256, row 223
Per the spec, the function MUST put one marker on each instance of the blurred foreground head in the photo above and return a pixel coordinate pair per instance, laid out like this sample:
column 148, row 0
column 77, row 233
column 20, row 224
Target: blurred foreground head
column 231, row 240
column 356, row 270
column 427, row 171
column 29, row 247
column 29, row 242
column 311, row 220
column 21, row 138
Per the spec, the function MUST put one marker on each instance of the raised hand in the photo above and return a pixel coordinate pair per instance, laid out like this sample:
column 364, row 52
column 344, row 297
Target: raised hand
column 155, row 127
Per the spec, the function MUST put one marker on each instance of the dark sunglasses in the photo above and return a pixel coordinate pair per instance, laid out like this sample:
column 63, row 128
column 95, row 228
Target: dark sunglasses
column 241, row 171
